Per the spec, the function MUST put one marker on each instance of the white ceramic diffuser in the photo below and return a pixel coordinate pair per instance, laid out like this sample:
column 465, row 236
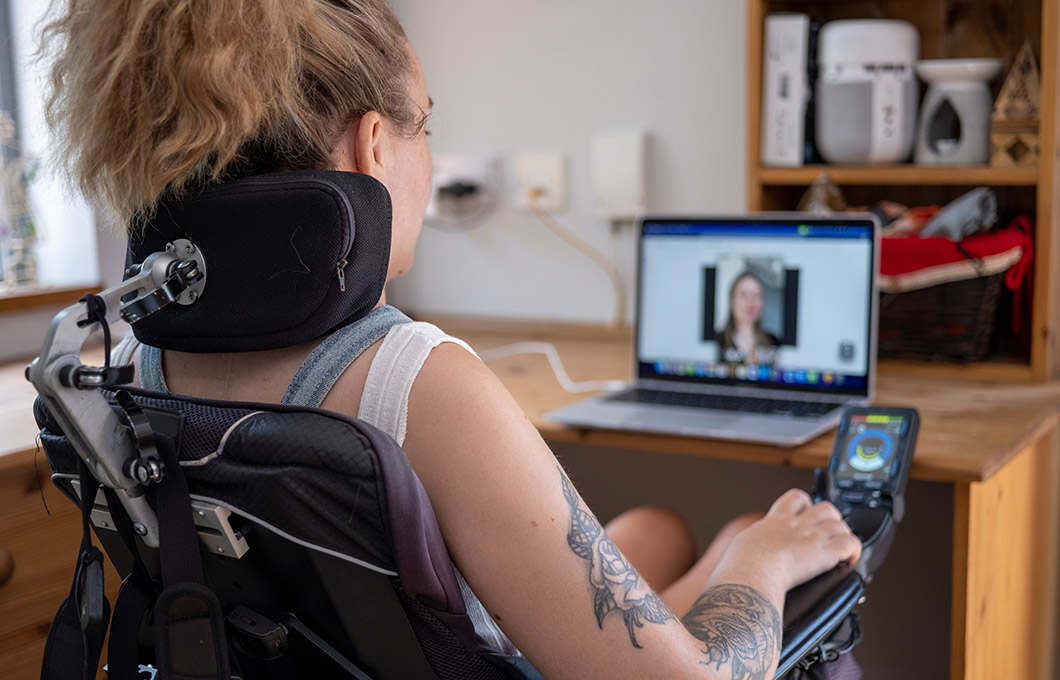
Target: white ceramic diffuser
column 954, row 127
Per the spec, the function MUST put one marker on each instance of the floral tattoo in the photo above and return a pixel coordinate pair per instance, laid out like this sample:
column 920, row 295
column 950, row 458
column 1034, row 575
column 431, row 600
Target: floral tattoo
column 738, row 626
column 616, row 585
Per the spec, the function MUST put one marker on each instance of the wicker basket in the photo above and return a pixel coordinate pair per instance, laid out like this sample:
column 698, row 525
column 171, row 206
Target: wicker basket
column 950, row 322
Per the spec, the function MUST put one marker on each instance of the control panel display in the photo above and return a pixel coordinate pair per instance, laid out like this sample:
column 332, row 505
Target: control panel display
column 869, row 456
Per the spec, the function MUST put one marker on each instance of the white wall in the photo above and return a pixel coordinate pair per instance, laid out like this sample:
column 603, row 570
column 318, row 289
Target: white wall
column 510, row 77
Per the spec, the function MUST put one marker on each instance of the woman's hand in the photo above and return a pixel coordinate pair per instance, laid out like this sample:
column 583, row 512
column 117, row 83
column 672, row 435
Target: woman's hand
column 794, row 542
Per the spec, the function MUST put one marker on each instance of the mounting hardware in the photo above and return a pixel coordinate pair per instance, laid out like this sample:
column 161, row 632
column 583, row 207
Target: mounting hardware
column 211, row 521
column 94, row 377
column 144, row 470
column 188, row 251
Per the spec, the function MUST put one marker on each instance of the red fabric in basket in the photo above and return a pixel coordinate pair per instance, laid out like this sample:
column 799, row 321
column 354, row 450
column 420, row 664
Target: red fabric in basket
column 900, row 255
column 907, row 254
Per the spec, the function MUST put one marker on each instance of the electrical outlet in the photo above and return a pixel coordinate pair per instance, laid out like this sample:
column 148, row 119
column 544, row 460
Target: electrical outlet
column 465, row 187
column 547, row 174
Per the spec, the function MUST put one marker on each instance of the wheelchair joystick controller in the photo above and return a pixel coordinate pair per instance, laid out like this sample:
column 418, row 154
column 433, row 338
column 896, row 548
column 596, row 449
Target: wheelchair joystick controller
column 865, row 479
column 866, row 476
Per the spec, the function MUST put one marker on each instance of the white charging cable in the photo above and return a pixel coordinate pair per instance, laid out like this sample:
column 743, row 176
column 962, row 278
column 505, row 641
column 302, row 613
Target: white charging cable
column 549, row 350
column 585, row 248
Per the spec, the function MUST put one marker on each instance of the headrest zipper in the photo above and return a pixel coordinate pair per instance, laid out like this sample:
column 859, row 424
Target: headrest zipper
column 342, row 276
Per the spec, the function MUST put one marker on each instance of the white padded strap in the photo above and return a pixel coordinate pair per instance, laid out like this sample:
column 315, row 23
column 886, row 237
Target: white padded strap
column 385, row 400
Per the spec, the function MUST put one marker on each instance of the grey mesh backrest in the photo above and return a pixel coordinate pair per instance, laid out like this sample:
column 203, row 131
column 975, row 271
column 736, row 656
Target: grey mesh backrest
column 340, row 532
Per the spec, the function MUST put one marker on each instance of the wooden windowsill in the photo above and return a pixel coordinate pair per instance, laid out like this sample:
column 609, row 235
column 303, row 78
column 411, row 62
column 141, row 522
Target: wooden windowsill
column 30, row 297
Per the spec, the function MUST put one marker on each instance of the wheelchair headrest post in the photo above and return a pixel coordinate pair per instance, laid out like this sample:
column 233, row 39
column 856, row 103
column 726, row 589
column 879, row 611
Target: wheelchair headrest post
column 70, row 390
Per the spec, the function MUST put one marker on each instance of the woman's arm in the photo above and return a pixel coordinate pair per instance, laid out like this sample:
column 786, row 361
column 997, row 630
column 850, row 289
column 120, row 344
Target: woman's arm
column 544, row 568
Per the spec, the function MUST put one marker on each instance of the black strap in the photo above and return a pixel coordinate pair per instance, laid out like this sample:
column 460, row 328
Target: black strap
column 189, row 625
column 190, row 638
column 75, row 640
column 134, row 598
column 326, row 651
column 91, row 377
column 138, row 593
column 177, row 539
column 97, row 313
column 190, row 642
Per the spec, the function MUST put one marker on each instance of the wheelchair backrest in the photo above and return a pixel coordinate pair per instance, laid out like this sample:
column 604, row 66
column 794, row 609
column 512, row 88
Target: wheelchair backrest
column 333, row 525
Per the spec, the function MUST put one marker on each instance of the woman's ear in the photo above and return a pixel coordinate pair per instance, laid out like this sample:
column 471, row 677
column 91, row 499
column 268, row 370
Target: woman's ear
column 360, row 149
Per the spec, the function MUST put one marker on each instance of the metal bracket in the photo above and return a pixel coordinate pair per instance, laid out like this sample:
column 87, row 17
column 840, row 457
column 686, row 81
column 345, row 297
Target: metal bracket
column 188, row 251
column 211, row 522
column 68, row 388
column 180, row 278
column 216, row 532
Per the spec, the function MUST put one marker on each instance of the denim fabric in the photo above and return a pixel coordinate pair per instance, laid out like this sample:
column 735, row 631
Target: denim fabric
column 329, row 359
column 151, row 376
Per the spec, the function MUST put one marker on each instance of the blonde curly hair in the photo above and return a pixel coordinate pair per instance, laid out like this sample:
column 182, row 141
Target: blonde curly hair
column 151, row 98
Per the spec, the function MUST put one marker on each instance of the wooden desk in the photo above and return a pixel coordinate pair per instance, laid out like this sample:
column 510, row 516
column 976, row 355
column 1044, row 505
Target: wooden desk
column 997, row 445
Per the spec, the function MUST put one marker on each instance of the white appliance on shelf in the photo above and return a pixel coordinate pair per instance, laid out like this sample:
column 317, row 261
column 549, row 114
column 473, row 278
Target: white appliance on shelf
column 866, row 91
column 785, row 88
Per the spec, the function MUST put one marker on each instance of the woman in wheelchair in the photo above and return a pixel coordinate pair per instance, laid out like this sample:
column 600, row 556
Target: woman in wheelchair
column 155, row 100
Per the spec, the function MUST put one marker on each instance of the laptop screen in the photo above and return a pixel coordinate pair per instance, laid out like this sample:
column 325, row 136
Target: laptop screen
column 779, row 303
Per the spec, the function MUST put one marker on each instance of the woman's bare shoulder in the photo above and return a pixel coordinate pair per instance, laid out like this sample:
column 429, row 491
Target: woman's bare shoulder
column 454, row 388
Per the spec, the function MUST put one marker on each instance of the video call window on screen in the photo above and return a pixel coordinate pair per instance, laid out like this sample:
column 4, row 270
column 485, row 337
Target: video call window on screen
column 786, row 303
column 756, row 311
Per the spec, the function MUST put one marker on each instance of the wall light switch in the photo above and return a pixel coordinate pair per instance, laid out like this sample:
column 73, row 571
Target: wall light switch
column 546, row 172
column 618, row 175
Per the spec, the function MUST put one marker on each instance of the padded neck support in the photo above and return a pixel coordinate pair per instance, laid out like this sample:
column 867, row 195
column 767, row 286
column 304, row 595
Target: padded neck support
column 290, row 257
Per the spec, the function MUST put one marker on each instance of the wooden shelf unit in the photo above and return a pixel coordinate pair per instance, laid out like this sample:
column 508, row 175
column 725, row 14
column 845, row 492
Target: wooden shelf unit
column 898, row 175
column 948, row 29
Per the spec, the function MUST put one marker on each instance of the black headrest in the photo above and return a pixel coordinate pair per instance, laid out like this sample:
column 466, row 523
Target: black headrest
column 289, row 257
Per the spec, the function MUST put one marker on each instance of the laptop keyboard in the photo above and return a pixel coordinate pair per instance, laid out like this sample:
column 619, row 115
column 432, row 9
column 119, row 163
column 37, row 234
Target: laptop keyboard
column 727, row 403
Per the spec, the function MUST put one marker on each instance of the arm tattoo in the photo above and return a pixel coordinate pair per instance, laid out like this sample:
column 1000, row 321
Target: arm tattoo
column 615, row 584
column 739, row 628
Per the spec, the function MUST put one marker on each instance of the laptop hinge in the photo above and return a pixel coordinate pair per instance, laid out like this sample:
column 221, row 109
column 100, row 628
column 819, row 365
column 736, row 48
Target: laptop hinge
column 753, row 392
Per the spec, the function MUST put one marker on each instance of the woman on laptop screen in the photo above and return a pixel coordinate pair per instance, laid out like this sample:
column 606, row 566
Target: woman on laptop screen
column 743, row 340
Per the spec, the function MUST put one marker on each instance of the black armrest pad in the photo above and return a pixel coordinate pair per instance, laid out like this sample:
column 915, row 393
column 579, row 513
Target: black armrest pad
column 814, row 610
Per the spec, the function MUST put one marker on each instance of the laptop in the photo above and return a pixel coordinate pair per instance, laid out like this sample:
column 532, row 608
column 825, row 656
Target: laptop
column 752, row 328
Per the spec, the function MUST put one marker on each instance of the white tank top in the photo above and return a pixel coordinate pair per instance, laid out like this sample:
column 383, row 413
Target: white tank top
column 385, row 399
